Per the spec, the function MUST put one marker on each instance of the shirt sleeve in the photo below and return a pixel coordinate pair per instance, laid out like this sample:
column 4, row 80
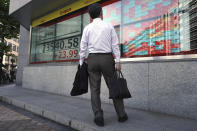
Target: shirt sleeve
column 83, row 46
column 115, row 46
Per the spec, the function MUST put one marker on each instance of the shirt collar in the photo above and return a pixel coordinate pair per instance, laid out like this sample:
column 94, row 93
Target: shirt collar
column 96, row 19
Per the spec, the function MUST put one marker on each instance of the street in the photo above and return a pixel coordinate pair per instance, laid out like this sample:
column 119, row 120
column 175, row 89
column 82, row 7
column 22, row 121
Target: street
column 15, row 119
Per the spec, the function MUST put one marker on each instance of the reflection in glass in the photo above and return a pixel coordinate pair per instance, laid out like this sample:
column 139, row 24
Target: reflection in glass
column 68, row 35
column 41, row 47
column 193, row 24
column 151, row 28
column 144, row 27
column 58, row 41
column 158, row 27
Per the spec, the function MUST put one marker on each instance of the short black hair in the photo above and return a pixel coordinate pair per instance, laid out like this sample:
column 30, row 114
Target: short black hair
column 94, row 10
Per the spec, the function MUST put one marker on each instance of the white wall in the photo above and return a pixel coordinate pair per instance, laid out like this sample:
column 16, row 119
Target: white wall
column 167, row 87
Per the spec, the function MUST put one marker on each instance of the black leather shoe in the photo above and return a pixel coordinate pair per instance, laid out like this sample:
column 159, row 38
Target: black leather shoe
column 123, row 119
column 99, row 121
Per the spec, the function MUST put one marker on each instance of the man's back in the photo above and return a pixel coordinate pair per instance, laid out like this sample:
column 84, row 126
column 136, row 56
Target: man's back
column 98, row 34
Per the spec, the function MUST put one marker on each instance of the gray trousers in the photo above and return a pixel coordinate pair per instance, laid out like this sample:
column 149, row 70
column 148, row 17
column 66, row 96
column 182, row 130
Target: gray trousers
column 102, row 64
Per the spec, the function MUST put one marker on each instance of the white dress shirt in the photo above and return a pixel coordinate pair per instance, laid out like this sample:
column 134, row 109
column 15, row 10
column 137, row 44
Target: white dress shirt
column 99, row 37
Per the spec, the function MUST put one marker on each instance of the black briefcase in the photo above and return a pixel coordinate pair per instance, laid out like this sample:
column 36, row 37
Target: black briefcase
column 80, row 84
column 118, row 87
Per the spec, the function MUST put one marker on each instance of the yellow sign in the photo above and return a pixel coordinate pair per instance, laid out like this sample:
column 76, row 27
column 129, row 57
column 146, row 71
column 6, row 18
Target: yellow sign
column 68, row 9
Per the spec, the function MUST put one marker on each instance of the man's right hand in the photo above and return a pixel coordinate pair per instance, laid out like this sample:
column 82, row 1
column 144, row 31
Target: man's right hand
column 118, row 66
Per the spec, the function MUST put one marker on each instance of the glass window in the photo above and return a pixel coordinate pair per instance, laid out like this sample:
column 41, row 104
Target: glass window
column 58, row 41
column 144, row 27
column 193, row 24
column 14, row 48
column 10, row 44
column 42, row 43
column 112, row 14
column 45, row 43
column 156, row 28
column 68, row 35
column 86, row 19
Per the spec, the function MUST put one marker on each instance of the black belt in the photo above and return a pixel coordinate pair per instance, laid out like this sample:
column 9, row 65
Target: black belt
column 100, row 53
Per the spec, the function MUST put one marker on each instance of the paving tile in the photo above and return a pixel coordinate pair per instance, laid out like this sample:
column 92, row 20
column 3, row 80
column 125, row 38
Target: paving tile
column 79, row 114
column 12, row 120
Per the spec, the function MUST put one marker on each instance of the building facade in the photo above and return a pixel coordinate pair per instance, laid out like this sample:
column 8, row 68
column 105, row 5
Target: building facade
column 157, row 43
column 15, row 49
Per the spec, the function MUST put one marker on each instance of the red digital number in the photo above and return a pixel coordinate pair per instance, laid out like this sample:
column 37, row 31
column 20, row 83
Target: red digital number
column 64, row 55
column 71, row 53
column 76, row 53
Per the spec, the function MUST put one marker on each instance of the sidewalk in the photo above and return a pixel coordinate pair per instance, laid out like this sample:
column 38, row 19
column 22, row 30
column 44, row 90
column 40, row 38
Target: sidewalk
column 77, row 113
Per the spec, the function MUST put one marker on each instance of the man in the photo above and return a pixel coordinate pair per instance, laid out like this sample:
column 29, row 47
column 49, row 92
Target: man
column 101, row 41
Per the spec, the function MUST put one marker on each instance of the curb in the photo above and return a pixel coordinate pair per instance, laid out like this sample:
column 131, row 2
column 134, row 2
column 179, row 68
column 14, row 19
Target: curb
column 69, row 122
